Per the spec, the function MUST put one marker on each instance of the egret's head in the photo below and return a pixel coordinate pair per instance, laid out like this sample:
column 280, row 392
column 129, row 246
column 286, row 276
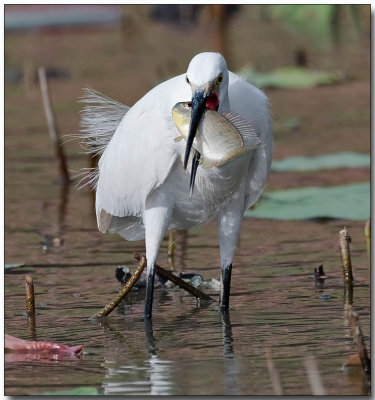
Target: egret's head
column 208, row 78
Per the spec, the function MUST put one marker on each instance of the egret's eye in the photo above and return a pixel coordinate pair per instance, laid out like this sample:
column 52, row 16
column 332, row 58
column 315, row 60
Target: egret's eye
column 187, row 80
column 188, row 104
column 219, row 79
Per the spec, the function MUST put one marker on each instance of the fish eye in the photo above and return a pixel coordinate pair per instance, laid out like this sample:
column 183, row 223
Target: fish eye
column 219, row 79
column 187, row 80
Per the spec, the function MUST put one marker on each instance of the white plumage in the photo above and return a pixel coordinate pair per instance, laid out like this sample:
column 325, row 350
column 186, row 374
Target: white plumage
column 142, row 188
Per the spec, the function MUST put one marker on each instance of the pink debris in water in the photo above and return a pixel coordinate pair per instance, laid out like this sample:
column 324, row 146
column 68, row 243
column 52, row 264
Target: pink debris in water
column 13, row 343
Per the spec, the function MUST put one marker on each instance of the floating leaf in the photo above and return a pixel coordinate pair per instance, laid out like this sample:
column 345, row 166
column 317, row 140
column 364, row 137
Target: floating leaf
column 289, row 77
column 320, row 22
column 333, row 160
column 347, row 201
column 11, row 266
column 311, row 19
column 80, row 391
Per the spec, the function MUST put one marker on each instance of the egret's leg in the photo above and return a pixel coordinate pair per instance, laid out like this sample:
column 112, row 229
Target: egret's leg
column 229, row 228
column 156, row 219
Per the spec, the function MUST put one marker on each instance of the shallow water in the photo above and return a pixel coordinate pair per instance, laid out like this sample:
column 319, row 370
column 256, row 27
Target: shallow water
column 191, row 348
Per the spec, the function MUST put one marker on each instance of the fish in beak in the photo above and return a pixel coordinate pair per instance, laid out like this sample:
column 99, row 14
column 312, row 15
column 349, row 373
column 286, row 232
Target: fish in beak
column 201, row 99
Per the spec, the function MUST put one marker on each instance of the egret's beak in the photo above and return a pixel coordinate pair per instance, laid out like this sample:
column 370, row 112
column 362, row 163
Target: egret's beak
column 198, row 103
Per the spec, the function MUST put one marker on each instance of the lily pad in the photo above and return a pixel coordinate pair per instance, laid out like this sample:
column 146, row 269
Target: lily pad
column 313, row 20
column 289, row 77
column 333, row 160
column 11, row 266
column 346, row 201
column 79, row 391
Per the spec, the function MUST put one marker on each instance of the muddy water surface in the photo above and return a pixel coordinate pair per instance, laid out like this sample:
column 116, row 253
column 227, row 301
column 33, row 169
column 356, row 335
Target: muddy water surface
column 190, row 348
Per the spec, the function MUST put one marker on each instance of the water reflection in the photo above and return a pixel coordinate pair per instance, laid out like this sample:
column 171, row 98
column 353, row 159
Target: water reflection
column 150, row 337
column 148, row 376
column 231, row 365
column 57, row 239
column 160, row 376
column 152, row 377
column 63, row 205
column 31, row 328
column 155, row 375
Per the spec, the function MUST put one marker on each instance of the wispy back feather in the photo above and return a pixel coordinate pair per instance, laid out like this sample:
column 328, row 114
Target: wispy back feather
column 99, row 120
column 86, row 177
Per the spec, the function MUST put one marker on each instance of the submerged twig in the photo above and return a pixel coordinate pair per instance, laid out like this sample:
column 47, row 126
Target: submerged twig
column 316, row 385
column 178, row 281
column 274, row 375
column 345, row 256
column 125, row 289
column 358, row 339
column 52, row 126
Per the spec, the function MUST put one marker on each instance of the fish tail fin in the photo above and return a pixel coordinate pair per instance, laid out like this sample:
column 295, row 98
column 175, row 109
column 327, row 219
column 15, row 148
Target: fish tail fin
column 245, row 129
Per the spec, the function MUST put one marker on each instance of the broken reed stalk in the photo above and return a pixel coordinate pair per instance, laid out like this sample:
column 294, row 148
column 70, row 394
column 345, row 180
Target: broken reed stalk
column 52, row 126
column 30, row 297
column 125, row 289
column 178, row 281
column 358, row 340
column 274, row 375
column 30, row 307
column 344, row 240
column 316, row 384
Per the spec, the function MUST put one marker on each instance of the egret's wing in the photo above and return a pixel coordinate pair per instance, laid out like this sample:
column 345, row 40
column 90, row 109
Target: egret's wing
column 139, row 156
column 136, row 161
column 100, row 118
column 250, row 102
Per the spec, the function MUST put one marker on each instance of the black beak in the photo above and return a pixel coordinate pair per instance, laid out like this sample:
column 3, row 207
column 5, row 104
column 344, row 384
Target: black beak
column 194, row 167
column 198, row 103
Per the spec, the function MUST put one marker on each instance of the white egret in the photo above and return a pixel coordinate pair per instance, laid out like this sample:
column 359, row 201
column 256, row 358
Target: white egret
column 142, row 181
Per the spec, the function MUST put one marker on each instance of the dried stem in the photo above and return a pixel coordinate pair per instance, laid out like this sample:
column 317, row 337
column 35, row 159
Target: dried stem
column 344, row 241
column 52, row 126
column 178, row 281
column 125, row 290
column 30, row 307
column 358, row 339
column 30, row 297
